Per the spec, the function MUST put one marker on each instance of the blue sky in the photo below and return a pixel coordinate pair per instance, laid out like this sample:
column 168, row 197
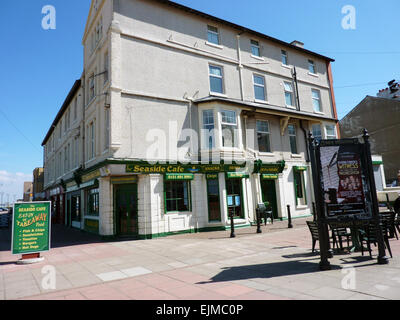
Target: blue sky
column 39, row 67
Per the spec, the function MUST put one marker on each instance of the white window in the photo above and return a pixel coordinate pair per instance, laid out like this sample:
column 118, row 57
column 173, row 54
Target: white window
column 292, row 138
column 311, row 67
column 107, row 128
column 91, row 87
column 76, row 152
column 91, row 141
column 65, row 159
column 216, row 79
column 263, row 136
column 229, row 128
column 284, row 56
column 75, row 109
column 289, row 94
column 330, row 132
column 255, row 48
column 317, row 132
column 259, row 87
column 213, row 35
column 208, row 126
column 316, row 98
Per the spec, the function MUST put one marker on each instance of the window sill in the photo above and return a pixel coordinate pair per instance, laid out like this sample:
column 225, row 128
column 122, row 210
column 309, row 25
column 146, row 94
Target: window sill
column 286, row 66
column 257, row 57
column 89, row 217
column 291, row 107
column 313, row 74
column 178, row 212
column 267, row 154
column 319, row 112
column 218, row 46
column 296, row 156
column 216, row 94
column 261, row 101
column 301, row 207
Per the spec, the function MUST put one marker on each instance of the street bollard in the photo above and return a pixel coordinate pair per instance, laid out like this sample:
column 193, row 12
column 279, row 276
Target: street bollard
column 290, row 226
column 232, row 227
column 258, row 213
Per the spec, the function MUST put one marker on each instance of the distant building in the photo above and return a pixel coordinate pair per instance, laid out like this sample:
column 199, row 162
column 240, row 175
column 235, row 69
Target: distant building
column 28, row 191
column 381, row 117
column 391, row 92
column 38, row 181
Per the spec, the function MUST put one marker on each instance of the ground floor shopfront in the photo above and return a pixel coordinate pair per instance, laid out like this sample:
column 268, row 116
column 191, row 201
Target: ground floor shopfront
column 142, row 200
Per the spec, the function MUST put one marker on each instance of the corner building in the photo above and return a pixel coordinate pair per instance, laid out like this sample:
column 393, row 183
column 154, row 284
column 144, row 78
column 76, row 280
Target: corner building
column 157, row 66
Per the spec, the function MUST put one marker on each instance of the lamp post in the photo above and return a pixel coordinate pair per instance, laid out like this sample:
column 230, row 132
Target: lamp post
column 382, row 258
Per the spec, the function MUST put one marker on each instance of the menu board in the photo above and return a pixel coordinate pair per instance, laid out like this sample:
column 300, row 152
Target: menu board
column 343, row 180
column 31, row 227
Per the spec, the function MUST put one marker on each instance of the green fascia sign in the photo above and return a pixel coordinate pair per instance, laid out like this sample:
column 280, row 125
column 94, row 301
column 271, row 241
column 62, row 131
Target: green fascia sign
column 269, row 168
column 177, row 176
column 147, row 168
column 237, row 175
column 300, row 168
column 31, row 227
column 269, row 176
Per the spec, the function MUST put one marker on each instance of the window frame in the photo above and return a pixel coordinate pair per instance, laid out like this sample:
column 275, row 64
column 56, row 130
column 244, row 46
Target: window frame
column 218, row 77
column 284, row 56
column 319, row 137
column 217, row 33
column 330, row 137
column 235, row 126
column 205, row 144
column 296, row 182
column 312, row 65
column 291, row 135
column 292, row 98
column 268, row 133
column 255, row 44
column 264, row 86
column 319, row 100
column 189, row 196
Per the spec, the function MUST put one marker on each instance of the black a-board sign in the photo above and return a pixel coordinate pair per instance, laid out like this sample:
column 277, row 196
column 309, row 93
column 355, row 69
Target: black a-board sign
column 344, row 180
column 345, row 191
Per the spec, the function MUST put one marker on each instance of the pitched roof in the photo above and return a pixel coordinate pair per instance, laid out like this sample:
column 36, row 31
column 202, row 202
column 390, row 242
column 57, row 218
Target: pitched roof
column 64, row 107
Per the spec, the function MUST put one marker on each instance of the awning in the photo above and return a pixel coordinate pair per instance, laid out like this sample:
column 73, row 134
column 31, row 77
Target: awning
column 269, row 176
column 237, row 175
column 179, row 176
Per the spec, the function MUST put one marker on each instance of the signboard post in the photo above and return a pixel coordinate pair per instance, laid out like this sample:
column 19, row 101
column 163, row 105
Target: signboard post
column 31, row 230
column 345, row 190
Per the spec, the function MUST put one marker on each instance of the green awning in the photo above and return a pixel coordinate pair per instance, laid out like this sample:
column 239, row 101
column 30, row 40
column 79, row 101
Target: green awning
column 269, row 176
column 179, row 176
column 377, row 163
column 237, row 175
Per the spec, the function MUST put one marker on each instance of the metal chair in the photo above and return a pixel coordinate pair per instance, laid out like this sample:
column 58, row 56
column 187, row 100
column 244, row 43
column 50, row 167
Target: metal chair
column 337, row 234
column 369, row 235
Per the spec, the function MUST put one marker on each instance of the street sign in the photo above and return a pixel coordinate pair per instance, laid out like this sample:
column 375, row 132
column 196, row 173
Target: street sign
column 31, row 227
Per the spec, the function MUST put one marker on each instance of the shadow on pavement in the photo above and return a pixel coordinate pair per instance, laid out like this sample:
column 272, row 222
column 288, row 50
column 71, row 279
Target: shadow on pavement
column 61, row 236
column 268, row 270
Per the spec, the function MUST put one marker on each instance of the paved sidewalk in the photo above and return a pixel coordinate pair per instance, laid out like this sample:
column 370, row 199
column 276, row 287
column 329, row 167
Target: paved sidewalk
column 277, row 264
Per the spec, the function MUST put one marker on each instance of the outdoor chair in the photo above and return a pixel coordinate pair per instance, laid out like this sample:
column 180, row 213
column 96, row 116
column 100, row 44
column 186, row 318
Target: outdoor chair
column 338, row 233
column 397, row 221
column 269, row 214
column 368, row 235
column 389, row 221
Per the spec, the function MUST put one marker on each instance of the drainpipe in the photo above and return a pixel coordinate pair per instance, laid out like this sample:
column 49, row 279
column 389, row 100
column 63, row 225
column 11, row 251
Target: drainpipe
column 240, row 66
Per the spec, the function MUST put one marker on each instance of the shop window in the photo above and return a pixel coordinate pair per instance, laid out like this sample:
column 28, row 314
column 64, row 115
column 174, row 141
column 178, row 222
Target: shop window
column 177, row 196
column 235, row 198
column 76, row 208
column 93, row 202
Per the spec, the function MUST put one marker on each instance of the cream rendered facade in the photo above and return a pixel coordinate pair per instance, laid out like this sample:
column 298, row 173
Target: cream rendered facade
column 147, row 66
